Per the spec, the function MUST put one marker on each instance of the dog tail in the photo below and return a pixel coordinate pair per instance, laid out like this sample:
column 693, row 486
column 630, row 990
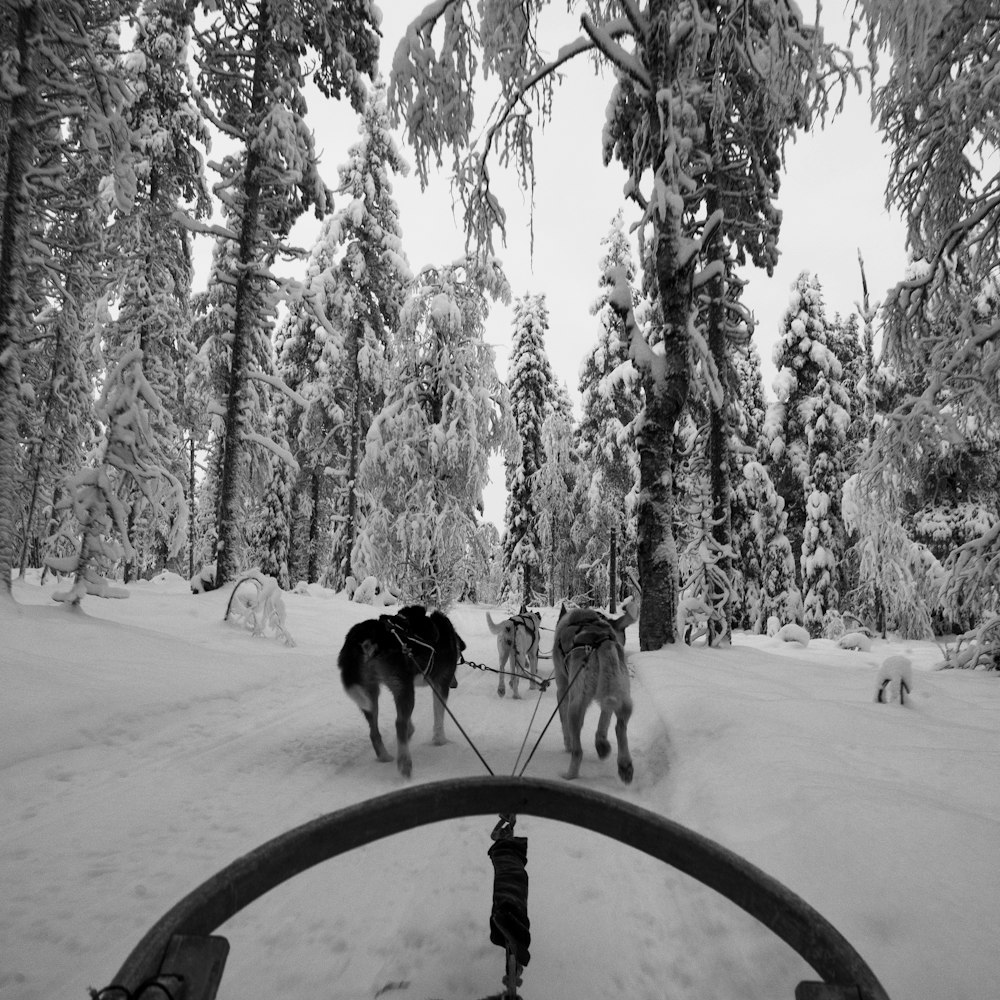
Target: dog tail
column 359, row 696
column 496, row 627
column 357, row 648
column 612, row 678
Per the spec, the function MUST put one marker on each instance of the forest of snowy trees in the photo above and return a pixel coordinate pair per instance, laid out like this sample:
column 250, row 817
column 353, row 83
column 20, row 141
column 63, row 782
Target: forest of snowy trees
column 339, row 425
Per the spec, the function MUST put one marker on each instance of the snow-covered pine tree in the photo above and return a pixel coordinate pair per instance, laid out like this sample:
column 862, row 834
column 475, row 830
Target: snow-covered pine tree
column 153, row 248
column 529, row 382
column 93, row 497
column 62, row 98
column 610, row 400
column 426, row 457
column 253, row 61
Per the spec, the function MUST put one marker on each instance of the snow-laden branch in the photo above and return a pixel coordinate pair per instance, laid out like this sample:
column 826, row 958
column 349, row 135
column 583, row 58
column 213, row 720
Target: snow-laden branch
column 629, row 64
column 283, row 387
column 272, row 446
column 201, row 228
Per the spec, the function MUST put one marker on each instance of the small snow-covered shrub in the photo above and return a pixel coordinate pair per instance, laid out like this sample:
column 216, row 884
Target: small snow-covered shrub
column 204, row 580
column 366, row 591
column 793, row 633
column 833, row 625
column 855, row 640
column 773, row 625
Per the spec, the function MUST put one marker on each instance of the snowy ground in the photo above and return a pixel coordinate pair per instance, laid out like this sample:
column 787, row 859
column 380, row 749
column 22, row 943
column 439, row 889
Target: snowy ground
column 145, row 744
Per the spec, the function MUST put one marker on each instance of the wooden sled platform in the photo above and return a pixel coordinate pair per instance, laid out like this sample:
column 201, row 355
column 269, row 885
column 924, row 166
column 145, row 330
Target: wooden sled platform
column 180, row 958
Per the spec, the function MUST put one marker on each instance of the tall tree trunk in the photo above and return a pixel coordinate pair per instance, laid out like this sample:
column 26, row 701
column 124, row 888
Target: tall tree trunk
column 342, row 558
column 13, row 247
column 666, row 392
column 191, row 507
column 312, row 572
column 719, row 632
column 613, row 571
column 227, row 554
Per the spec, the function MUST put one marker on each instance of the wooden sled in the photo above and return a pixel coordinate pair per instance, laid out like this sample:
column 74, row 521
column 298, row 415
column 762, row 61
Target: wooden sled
column 178, row 957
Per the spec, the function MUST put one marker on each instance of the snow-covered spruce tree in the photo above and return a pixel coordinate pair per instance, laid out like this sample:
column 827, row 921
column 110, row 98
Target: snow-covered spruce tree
column 359, row 286
column 154, row 249
column 253, row 61
column 215, row 367
column 425, row 465
column 801, row 356
column 529, row 382
column 827, row 418
column 62, row 98
column 556, row 486
column 771, row 586
column 932, row 97
column 747, row 445
column 610, row 399
column 93, row 497
column 275, row 527
column 648, row 124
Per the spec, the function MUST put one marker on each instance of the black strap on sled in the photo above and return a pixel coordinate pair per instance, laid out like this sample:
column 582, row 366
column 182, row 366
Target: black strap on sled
column 509, row 924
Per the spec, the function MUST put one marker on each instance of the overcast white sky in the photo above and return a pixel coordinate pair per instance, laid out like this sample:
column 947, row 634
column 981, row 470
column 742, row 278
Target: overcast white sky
column 831, row 197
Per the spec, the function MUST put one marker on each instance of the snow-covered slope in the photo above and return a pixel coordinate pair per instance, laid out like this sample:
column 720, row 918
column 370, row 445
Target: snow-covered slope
column 146, row 744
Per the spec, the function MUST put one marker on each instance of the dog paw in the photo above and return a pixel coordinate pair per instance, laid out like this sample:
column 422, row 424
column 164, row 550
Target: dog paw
column 440, row 740
column 405, row 766
column 625, row 772
column 603, row 747
column 570, row 775
column 501, row 691
column 385, row 756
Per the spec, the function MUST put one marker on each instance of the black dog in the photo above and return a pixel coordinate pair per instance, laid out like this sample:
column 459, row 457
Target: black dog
column 411, row 648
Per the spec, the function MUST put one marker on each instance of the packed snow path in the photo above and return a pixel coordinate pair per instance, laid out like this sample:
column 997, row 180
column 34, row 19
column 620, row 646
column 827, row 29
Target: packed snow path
column 147, row 744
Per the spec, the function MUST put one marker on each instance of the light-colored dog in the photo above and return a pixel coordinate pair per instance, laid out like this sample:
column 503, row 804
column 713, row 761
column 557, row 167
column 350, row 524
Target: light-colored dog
column 589, row 659
column 517, row 644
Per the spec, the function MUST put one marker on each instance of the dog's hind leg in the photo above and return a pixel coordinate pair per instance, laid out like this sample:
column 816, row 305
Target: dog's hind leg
column 601, row 742
column 503, row 649
column 367, row 700
column 404, row 729
column 625, row 769
column 440, row 697
column 574, row 723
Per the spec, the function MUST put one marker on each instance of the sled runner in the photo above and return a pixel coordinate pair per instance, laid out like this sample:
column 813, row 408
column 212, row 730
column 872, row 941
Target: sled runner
column 180, row 959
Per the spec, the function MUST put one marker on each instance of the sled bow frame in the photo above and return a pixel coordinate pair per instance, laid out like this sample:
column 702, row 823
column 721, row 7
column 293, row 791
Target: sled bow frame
column 178, row 957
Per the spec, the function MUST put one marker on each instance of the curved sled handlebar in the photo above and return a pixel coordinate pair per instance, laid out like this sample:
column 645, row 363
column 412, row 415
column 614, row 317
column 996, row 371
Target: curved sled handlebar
column 251, row 876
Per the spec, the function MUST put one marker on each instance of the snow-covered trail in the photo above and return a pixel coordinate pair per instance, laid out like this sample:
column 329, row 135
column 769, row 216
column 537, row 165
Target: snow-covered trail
column 146, row 745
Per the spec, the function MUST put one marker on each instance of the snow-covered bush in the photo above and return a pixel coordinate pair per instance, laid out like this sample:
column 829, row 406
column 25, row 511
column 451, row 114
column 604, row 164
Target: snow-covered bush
column 203, row 580
column 833, row 625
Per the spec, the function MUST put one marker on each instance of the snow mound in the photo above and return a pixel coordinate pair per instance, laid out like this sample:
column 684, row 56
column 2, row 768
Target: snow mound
column 792, row 633
column 855, row 640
